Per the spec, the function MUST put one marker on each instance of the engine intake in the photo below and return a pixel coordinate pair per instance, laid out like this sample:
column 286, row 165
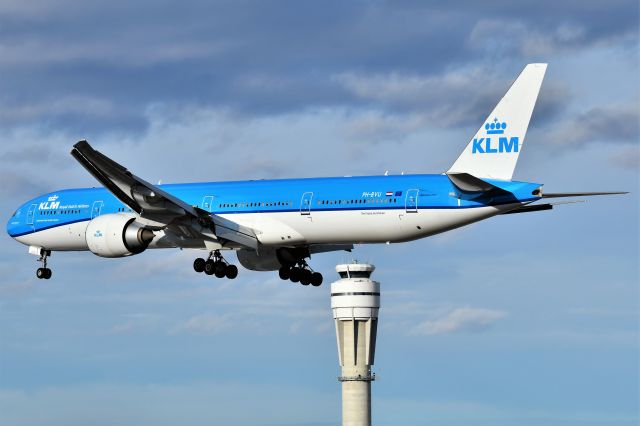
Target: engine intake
column 117, row 235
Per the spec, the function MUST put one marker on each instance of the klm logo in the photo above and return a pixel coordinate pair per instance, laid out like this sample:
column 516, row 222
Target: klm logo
column 497, row 144
column 97, row 234
column 483, row 145
column 50, row 204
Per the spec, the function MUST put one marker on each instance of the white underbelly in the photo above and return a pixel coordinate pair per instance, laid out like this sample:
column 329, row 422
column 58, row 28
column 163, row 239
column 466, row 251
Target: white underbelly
column 322, row 227
column 359, row 226
column 69, row 237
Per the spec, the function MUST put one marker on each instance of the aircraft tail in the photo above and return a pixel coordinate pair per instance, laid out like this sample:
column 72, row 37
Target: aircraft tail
column 493, row 151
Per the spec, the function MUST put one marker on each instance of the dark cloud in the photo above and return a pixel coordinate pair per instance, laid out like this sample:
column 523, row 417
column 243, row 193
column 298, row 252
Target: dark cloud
column 95, row 66
column 457, row 98
column 27, row 154
column 617, row 123
column 20, row 186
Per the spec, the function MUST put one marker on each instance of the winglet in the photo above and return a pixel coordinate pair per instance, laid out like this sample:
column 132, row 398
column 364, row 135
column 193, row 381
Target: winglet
column 99, row 165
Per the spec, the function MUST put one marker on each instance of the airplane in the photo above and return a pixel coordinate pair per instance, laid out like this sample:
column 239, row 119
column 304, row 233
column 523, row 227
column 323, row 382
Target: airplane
column 279, row 224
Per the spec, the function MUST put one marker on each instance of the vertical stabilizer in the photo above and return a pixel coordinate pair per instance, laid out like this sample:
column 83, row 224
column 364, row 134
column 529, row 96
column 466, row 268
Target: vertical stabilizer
column 493, row 151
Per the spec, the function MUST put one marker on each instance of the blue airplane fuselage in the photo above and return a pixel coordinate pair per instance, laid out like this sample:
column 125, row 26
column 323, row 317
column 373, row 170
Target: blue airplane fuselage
column 366, row 194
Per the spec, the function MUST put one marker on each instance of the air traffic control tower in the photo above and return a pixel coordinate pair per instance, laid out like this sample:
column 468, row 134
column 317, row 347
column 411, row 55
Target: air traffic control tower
column 355, row 301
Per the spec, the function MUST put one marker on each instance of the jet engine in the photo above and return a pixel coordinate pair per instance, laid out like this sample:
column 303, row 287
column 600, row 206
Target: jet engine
column 117, row 235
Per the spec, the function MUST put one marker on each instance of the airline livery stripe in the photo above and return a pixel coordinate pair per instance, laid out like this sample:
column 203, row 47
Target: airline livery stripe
column 347, row 208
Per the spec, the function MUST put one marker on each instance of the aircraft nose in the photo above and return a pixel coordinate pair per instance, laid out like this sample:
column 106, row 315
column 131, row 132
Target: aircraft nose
column 13, row 223
column 10, row 227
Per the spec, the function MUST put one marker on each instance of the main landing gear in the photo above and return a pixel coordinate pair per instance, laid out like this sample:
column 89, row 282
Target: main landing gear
column 215, row 265
column 302, row 273
column 44, row 272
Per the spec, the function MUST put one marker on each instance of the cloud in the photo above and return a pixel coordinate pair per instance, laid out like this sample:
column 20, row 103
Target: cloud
column 460, row 320
column 259, row 60
column 16, row 288
column 446, row 99
column 15, row 185
column 613, row 123
column 162, row 404
column 252, row 320
column 48, row 52
column 506, row 36
column 59, row 106
column 377, row 126
column 627, row 158
column 207, row 324
column 138, row 322
column 32, row 155
column 570, row 29
column 460, row 97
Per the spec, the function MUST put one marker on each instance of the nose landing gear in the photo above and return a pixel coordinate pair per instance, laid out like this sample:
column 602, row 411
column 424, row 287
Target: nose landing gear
column 216, row 265
column 44, row 272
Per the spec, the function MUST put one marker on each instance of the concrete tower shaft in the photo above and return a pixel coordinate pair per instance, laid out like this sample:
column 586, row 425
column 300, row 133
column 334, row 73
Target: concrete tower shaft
column 355, row 301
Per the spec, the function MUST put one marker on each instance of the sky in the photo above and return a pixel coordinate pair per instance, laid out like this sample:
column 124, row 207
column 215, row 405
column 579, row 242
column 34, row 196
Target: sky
column 525, row 319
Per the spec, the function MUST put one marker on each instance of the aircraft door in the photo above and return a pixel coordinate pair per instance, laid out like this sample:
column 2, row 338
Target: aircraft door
column 305, row 203
column 95, row 210
column 31, row 213
column 207, row 203
column 411, row 201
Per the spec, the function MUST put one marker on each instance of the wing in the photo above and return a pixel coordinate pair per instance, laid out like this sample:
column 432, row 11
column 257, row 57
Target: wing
column 158, row 206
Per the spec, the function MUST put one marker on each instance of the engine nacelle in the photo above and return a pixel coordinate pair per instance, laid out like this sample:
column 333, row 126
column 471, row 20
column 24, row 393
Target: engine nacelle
column 117, row 235
column 271, row 258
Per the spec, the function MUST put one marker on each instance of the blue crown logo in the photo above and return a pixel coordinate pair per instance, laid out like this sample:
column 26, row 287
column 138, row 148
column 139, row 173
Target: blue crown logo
column 496, row 127
column 97, row 233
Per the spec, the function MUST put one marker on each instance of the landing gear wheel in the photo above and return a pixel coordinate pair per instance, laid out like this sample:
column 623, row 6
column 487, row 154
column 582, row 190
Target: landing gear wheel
column 316, row 279
column 199, row 264
column 285, row 273
column 231, row 271
column 305, row 279
column 209, row 267
column 44, row 272
column 295, row 274
column 216, row 265
column 220, row 269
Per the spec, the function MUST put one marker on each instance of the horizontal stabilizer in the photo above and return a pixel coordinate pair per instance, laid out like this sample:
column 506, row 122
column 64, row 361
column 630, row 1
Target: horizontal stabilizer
column 541, row 207
column 469, row 183
column 579, row 194
column 529, row 209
